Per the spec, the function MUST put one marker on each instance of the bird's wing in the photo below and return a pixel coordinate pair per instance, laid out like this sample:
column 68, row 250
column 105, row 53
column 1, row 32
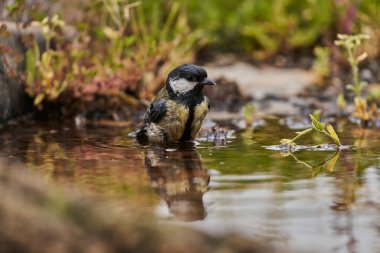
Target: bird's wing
column 156, row 111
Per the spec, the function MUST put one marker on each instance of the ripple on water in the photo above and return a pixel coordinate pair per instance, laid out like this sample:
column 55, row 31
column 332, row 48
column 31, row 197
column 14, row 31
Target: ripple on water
column 320, row 199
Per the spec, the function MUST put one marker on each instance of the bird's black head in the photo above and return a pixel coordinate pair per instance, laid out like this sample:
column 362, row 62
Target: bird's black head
column 187, row 79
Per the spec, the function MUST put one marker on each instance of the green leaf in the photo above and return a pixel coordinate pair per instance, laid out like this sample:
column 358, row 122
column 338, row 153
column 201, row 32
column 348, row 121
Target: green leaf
column 363, row 36
column 39, row 99
column 342, row 36
column 129, row 40
column 350, row 87
column 362, row 57
column 322, row 126
column 313, row 120
column 333, row 134
column 317, row 114
column 363, row 85
column 46, row 58
column 31, row 60
column 319, row 126
column 341, row 101
column 62, row 87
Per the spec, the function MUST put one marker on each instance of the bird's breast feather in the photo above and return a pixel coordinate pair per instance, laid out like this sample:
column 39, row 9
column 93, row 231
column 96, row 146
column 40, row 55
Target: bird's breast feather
column 200, row 112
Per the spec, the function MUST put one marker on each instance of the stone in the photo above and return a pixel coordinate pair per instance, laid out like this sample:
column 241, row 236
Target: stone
column 13, row 99
column 225, row 96
column 261, row 82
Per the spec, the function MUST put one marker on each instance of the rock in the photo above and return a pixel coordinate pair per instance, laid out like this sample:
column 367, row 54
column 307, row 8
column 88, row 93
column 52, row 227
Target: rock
column 274, row 90
column 277, row 107
column 258, row 83
column 13, row 38
column 226, row 96
column 13, row 99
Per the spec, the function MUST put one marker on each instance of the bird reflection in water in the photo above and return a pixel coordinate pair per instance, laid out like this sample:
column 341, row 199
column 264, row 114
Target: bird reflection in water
column 179, row 177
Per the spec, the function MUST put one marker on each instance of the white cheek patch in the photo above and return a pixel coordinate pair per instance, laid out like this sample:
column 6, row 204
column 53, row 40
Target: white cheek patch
column 181, row 86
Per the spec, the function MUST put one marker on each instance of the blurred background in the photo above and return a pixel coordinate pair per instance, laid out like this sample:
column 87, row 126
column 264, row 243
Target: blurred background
column 118, row 52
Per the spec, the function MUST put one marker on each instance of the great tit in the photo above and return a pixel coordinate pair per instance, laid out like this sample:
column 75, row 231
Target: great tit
column 177, row 112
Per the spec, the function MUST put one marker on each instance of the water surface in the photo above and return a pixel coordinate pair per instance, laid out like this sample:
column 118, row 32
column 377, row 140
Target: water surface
column 323, row 201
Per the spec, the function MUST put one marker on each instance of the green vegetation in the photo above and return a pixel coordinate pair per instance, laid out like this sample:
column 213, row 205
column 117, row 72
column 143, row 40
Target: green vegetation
column 121, row 51
column 321, row 65
column 259, row 27
column 44, row 70
column 264, row 28
column 352, row 44
column 316, row 126
column 249, row 111
column 116, row 58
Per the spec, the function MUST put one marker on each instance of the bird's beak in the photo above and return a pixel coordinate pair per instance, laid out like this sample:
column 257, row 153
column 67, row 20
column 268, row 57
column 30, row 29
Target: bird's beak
column 207, row 81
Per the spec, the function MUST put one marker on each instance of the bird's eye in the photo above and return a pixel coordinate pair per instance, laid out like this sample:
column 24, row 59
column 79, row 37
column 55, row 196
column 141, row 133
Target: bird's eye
column 190, row 79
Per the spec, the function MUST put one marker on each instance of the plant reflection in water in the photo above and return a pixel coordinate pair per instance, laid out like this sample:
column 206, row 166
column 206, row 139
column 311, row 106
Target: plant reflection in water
column 318, row 168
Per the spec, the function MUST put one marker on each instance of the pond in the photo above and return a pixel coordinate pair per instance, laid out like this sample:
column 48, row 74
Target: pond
column 325, row 200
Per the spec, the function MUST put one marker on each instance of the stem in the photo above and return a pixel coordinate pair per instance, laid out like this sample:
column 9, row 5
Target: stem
column 303, row 133
column 47, row 44
column 355, row 72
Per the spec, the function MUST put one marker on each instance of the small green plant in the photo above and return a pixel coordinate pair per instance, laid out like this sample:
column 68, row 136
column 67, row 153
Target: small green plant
column 341, row 102
column 352, row 44
column 119, row 54
column 44, row 71
column 321, row 65
column 164, row 41
column 317, row 126
column 23, row 11
column 249, row 111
